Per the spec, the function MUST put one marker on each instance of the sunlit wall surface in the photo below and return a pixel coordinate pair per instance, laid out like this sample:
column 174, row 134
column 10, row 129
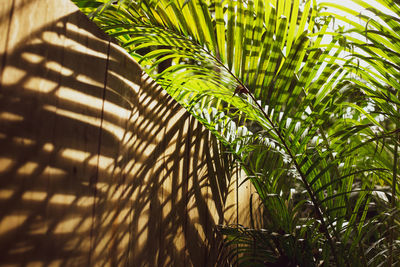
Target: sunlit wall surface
column 98, row 166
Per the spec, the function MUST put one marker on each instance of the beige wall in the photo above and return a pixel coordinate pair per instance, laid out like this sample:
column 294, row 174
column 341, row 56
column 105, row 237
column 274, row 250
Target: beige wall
column 98, row 166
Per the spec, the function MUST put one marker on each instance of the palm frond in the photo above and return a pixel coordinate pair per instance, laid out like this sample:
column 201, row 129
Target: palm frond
column 258, row 74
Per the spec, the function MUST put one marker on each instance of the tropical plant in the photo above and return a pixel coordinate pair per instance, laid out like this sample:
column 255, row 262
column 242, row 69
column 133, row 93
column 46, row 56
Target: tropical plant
column 260, row 75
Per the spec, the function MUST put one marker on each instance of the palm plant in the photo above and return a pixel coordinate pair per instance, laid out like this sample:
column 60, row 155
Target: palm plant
column 260, row 76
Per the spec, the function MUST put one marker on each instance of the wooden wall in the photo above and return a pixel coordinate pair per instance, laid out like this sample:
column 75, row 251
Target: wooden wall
column 98, row 166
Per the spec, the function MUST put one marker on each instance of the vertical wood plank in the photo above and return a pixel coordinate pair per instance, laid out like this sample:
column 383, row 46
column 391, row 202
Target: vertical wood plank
column 200, row 221
column 77, row 132
column 244, row 193
column 6, row 14
column 110, row 229
column 176, row 190
column 51, row 88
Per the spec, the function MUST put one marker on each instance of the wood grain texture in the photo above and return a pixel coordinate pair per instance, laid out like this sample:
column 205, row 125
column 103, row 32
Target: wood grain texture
column 98, row 165
column 6, row 13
